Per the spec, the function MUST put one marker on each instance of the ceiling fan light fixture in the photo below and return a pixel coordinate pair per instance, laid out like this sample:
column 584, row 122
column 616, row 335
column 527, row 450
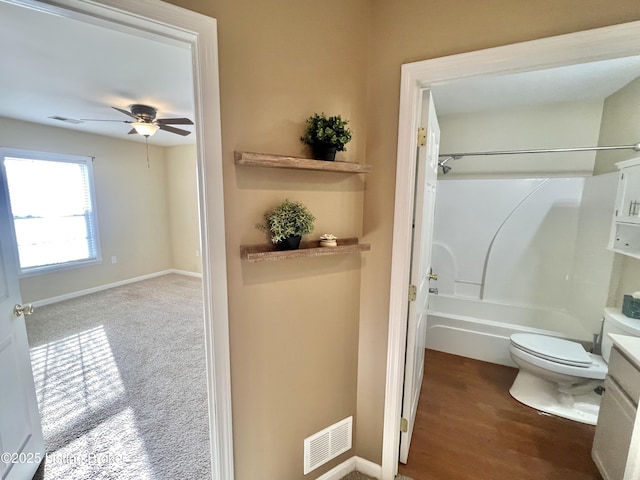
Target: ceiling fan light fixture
column 145, row 129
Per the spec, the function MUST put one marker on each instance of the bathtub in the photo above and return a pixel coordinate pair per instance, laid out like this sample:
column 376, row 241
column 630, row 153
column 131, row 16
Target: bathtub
column 481, row 330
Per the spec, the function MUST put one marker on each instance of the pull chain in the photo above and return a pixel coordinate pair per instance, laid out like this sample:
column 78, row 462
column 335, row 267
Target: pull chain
column 146, row 141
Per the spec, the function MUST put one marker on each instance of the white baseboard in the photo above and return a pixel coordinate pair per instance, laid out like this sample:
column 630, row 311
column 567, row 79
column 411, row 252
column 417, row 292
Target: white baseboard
column 185, row 272
column 99, row 288
column 351, row 464
column 368, row 468
column 336, row 473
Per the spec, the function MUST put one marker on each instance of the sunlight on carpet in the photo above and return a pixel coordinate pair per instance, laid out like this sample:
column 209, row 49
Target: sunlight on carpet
column 79, row 388
column 112, row 449
column 75, row 377
column 122, row 389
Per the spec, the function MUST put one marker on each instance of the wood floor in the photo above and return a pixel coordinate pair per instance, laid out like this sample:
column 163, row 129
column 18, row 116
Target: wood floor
column 469, row 427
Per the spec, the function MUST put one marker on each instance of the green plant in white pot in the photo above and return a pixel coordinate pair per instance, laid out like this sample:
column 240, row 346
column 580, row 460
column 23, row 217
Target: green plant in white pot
column 286, row 224
column 326, row 135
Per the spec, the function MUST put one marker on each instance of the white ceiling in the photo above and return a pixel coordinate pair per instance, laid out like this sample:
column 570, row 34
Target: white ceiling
column 55, row 66
column 596, row 80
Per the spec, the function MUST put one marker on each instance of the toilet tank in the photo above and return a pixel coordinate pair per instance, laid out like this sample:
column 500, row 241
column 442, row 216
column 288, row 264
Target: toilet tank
column 617, row 322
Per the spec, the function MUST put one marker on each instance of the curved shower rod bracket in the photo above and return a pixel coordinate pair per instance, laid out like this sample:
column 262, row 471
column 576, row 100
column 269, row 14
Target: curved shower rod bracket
column 445, row 157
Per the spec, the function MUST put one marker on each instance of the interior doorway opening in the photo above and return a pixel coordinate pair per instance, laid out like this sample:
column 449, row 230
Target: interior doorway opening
column 151, row 19
column 604, row 43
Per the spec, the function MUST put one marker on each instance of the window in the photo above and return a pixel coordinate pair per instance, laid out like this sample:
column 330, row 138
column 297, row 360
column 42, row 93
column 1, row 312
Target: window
column 52, row 203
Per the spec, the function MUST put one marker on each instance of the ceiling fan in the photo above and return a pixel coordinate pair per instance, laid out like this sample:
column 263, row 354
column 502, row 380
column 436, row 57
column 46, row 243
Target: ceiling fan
column 145, row 122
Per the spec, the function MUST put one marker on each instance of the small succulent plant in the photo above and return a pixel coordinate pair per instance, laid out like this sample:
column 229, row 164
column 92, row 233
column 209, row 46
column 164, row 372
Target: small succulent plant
column 287, row 220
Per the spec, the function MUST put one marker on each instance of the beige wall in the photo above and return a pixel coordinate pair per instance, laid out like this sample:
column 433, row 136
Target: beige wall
column 131, row 200
column 626, row 280
column 414, row 30
column 297, row 347
column 147, row 216
column 620, row 126
column 293, row 324
column 182, row 190
column 552, row 125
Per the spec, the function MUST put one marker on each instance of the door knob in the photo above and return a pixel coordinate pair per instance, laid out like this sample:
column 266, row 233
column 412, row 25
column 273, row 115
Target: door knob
column 22, row 310
column 432, row 276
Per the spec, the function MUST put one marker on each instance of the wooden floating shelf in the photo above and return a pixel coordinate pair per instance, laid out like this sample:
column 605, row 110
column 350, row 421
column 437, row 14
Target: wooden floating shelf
column 279, row 161
column 270, row 253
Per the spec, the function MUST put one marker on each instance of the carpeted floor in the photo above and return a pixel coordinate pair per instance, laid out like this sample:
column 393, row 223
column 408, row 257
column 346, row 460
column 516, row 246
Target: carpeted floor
column 357, row 476
column 361, row 476
column 121, row 383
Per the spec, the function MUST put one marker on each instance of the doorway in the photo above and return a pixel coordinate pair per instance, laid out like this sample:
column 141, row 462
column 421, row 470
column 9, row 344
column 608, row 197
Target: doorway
column 197, row 33
column 599, row 44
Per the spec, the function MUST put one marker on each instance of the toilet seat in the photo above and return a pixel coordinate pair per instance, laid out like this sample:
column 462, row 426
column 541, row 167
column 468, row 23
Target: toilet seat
column 597, row 370
column 552, row 349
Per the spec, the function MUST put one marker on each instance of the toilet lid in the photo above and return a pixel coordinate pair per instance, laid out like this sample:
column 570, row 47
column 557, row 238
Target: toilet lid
column 553, row 349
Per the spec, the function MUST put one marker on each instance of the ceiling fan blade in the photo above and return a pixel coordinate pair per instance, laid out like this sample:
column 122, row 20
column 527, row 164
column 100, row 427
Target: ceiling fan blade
column 104, row 120
column 174, row 121
column 126, row 112
column 179, row 131
column 132, row 131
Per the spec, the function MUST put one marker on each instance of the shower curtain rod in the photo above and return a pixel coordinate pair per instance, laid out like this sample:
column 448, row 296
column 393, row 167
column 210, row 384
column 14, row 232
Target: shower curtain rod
column 458, row 156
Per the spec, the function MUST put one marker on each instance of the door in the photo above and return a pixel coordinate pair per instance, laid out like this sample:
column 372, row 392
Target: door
column 21, row 443
column 423, row 211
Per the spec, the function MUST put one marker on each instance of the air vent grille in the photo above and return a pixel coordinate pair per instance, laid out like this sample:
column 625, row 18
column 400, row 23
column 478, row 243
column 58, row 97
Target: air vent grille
column 327, row 444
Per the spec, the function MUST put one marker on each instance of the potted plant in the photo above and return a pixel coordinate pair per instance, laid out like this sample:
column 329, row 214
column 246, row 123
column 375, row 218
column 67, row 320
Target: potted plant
column 286, row 224
column 326, row 135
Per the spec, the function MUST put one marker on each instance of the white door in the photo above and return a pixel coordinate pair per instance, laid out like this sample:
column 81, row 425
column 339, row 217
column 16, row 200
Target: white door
column 423, row 212
column 21, row 443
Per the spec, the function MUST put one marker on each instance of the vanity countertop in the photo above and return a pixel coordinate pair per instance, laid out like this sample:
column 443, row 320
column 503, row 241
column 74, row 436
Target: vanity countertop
column 630, row 346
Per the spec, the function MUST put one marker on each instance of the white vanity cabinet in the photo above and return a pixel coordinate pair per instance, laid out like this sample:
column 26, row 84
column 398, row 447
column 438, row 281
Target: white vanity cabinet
column 625, row 229
column 618, row 411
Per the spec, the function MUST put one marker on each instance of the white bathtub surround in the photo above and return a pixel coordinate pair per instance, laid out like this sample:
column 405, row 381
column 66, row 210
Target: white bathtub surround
column 481, row 330
column 519, row 255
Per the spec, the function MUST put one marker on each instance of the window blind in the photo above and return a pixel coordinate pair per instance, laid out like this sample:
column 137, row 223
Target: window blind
column 52, row 207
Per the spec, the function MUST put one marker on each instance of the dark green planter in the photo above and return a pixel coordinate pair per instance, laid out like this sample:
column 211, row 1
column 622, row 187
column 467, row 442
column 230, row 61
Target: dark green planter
column 324, row 152
column 290, row 243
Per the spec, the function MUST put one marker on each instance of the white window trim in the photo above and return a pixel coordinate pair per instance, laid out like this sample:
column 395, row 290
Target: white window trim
column 57, row 157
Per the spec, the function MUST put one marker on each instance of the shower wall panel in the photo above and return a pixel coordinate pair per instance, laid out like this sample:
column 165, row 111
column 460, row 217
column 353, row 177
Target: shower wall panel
column 528, row 242
column 593, row 262
column 529, row 262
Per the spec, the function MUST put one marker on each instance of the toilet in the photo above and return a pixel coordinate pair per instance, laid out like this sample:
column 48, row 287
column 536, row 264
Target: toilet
column 559, row 376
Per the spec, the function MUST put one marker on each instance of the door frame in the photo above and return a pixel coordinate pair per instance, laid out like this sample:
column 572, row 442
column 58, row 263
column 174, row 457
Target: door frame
column 168, row 23
column 586, row 46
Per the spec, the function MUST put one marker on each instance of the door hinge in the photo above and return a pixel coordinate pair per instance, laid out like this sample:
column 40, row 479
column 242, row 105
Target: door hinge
column 413, row 293
column 404, row 425
column 422, row 136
